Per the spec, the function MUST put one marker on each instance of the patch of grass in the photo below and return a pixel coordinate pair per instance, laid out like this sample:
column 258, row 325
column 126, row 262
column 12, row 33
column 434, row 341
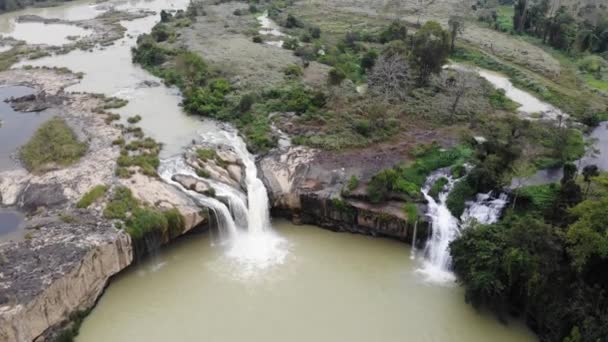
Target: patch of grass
column 536, row 197
column 54, row 143
column 122, row 202
column 498, row 100
column 140, row 220
column 93, row 195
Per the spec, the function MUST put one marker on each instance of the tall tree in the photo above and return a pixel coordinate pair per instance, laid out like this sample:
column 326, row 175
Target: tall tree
column 456, row 25
column 431, row 47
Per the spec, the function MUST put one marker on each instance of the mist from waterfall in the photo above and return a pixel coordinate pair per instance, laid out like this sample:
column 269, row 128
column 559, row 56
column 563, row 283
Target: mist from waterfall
column 243, row 219
column 445, row 228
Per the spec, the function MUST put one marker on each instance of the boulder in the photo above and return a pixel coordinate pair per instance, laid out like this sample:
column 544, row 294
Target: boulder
column 36, row 196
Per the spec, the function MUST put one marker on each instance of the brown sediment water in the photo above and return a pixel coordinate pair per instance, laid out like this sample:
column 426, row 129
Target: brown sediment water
column 330, row 287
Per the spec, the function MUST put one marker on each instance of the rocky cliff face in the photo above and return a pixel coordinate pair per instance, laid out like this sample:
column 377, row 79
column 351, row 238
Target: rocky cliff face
column 60, row 270
column 308, row 190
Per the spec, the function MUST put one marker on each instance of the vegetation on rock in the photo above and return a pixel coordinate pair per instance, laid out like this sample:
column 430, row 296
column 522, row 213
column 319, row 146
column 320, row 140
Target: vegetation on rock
column 53, row 144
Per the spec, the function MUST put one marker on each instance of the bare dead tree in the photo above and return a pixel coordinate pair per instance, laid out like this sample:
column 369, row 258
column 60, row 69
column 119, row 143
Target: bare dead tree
column 389, row 77
column 456, row 84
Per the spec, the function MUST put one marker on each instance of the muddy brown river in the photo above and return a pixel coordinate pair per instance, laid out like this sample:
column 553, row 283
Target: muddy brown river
column 330, row 287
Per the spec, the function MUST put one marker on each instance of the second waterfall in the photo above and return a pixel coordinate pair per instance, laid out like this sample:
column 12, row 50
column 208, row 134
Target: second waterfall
column 486, row 209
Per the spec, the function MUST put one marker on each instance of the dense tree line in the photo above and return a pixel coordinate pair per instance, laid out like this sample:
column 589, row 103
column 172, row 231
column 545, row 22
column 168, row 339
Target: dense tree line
column 558, row 27
column 545, row 260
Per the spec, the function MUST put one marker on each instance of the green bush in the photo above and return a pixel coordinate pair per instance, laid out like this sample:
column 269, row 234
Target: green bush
column 438, row 187
column 144, row 220
column 293, row 70
column 291, row 43
column 54, row 143
column 208, row 101
column 336, row 76
column 315, row 32
column 463, row 191
column 134, row 119
column 353, row 183
column 93, row 195
column 122, row 202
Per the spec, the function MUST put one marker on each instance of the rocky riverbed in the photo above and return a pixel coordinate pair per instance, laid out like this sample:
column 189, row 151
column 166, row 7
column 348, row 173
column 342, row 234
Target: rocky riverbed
column 68, row 254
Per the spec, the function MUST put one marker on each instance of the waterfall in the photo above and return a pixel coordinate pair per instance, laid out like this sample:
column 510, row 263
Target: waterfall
column 243, row 220
column 177, row 165
column 485, row 209
column 445, row 227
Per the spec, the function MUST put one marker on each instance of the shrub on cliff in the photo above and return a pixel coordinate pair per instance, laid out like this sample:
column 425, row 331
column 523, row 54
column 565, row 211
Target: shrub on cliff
column 93, row 195
column 53, row 144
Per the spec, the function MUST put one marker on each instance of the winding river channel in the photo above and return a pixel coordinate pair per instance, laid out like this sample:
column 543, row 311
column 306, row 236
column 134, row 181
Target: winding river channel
column 325, row 287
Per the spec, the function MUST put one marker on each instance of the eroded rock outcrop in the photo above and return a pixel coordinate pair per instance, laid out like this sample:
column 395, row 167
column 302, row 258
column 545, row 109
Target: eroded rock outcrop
column 62, row 268
column 308, row 190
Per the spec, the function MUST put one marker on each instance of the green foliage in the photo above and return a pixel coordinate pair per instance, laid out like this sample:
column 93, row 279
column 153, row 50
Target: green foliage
column 353, row 183
column 500, row 101
column 149, row 54
column 508, row 262
column 409, row 179
column 122, row 202
column 205, row 154
column 463, row 191
column 368, row 60
column 504, row 20
column 536, row 198
column 134, row 119
column 54, row 143
column 145, row 220
column 291, row 43
column 438, row 187
column 397, row 30
column 175, row 222
column 588, row 236
column 336, row 76
column 411, row 212
column 162, row 32
column 140, row 220
column 93, row 195
column 293, row 70
column 431, row 47
column 208, row 101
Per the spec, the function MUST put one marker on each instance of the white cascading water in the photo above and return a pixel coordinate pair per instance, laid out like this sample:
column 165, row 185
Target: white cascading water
column 445, row 227
column 244, row 220
column 486, row 209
